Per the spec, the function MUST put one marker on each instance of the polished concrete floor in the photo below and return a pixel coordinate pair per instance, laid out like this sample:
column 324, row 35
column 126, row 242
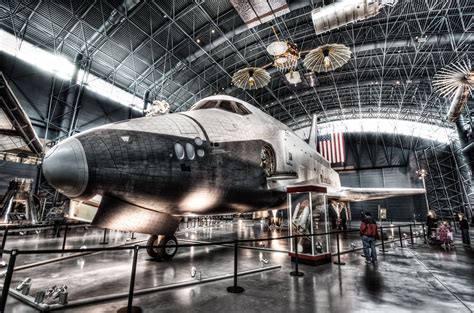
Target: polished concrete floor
column 418, row 278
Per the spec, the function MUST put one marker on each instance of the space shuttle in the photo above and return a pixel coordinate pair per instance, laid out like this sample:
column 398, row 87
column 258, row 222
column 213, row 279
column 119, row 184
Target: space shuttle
column 222, row 156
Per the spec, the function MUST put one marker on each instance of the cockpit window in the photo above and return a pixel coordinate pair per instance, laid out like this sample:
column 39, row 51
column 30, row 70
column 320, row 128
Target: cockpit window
column 208, row 105
column 229, row 106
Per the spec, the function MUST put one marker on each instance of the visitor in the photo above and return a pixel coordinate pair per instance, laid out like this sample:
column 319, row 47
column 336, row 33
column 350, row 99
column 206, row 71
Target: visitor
column 464, row 225
column 431, row 223
column 368, row 231
column 444, row 237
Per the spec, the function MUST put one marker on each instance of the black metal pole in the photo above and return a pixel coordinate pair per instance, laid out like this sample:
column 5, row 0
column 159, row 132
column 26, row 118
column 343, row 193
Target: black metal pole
column 105, row 235
column 338, row 252
column 65, row 235
column 4, row 240
column 424, row 234
column 296, row 272
column 8, row 280
column 400, row 236
column 235, row 288
column 383, row 241
column 411, row 235
column 130, row 308
column 132, row 278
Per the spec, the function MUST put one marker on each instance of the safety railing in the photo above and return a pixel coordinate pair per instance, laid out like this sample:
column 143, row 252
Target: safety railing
column 235, row 288
column 23, row 229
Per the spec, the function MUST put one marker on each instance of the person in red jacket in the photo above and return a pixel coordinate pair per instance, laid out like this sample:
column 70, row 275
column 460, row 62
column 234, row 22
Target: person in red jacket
column 368, row 231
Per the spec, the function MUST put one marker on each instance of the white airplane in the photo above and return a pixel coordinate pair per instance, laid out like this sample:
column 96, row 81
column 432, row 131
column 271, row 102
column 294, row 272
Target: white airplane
column 222, row 156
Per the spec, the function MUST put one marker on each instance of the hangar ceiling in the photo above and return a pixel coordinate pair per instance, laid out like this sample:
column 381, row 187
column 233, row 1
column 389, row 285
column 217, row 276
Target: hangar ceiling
column 182, row 51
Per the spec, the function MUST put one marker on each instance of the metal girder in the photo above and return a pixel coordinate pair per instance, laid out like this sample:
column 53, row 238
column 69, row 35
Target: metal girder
column 409, row 41
column 174, row 22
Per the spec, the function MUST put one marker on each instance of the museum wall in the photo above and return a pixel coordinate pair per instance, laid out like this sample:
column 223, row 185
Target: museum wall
column 398, row 208
column 382, row 161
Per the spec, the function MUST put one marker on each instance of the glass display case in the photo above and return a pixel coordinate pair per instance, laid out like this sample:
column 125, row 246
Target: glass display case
column 308, row 216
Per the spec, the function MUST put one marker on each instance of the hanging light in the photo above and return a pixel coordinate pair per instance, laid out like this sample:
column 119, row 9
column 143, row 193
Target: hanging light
column 251, row 78
column 327, row 61
column 327, row 58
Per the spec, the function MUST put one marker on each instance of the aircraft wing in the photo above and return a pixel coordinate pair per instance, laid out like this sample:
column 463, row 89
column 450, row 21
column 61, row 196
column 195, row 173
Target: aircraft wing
column 16, row 131
column 363, row 194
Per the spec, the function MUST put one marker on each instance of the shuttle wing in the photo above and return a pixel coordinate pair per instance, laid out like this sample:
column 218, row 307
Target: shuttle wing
column 16, row 131
column 363, row 194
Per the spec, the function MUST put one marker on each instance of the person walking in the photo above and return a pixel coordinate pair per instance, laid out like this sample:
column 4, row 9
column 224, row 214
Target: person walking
column 464, row 225
column 368, row 231
column 431, row 223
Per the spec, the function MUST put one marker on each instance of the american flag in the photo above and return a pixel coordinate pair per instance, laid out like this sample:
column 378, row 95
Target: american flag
column 331, row 147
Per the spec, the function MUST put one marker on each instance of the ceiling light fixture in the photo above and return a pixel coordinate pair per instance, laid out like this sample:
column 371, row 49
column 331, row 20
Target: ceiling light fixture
column 251, row 78
column 327, row 61
column 327, row 58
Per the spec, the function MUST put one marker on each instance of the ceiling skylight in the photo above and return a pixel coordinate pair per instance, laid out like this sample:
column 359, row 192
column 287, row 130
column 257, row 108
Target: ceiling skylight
column 388, row 126
column 64, row 68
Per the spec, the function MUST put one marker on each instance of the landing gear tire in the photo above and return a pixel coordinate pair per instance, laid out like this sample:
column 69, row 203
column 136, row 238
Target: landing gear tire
column 165, row 253
column 278, row 222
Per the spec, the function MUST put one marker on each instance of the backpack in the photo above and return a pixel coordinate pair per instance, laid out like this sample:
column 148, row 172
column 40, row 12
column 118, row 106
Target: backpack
column 371, row 230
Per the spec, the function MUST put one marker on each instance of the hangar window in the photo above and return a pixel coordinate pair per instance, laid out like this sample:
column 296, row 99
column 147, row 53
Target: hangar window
column 229, row 106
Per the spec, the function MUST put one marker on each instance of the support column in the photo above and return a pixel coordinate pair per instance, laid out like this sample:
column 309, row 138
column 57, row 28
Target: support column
column 464, row 157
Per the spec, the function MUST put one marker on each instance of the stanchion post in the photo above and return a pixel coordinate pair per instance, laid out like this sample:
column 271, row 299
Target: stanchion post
column 130, row 308
column 4, row 240
column 8, row 279
column 411, row 235
column 65, row 236
column 296, row 273
column 235, row 288
column 424, row 234
column 105, row 237
column 400, row 236
column 383, row 240
column 338, row 252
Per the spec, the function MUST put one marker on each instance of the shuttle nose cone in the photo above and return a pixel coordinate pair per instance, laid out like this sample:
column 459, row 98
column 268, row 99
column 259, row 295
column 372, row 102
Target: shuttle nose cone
column 65, row 167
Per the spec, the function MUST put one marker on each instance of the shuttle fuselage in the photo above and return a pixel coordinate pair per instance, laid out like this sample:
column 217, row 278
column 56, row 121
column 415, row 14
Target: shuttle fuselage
column 222, row 156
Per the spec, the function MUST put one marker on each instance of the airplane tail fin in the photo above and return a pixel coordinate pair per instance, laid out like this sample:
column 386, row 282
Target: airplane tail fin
column 313, row 133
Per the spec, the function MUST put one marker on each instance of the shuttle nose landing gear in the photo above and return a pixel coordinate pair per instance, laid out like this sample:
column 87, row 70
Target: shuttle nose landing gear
column 162, row 253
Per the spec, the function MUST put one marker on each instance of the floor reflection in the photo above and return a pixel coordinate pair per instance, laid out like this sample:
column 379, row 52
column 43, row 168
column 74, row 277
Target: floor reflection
column 372, row 280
